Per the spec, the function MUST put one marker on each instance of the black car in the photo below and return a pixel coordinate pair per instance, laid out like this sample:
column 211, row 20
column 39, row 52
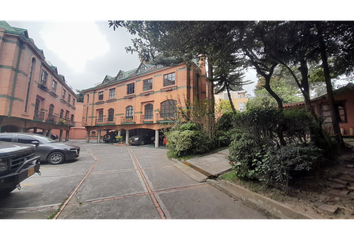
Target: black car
column 141, row 139
column 110, row 137
column 52, row 135
column 46, row 149
column 17, row 162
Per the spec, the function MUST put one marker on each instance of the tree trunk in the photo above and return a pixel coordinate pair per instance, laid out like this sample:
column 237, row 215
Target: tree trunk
column 211, row 117
column 330, row 95
column 230, row 99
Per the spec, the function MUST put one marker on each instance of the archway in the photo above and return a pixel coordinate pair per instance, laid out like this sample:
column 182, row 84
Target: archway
column 9, row 128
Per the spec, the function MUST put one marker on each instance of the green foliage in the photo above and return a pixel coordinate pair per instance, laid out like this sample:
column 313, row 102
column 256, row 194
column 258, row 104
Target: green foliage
column 255, row 152
column 186, row 139
column 224, row 129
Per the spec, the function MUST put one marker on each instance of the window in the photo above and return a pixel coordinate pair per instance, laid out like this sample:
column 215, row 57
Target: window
column 51, row 109
column 44, row 77
column 169, row 79
column 6, row 138
column 342, row 116
column 69, row 98
column 61, row 113
column 63, row 94
column 148, row 111
column 168, row 109
column 54, row 86
column 130, row 88
column 129, row 112
column 100, row 116
column 240, row 95
column 72, row 118
column 88, row 98
column 67, row 115
column 25, row 139
column 147, row 84
column 110, row 115
column 226, row 96
column 74, row 102
column 100, row 95
column 112, row 93
column 242, row 107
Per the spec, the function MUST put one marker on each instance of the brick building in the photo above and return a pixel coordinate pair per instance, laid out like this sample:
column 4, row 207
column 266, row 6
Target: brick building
column 344, row 101
column 33, row 95
column 141, row 99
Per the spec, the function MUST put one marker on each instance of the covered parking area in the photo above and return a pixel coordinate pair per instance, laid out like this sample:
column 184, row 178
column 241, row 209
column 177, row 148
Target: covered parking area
column 126, row 131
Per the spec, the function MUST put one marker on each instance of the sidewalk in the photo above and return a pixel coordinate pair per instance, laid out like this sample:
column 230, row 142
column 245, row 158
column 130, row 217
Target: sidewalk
column 206, row 168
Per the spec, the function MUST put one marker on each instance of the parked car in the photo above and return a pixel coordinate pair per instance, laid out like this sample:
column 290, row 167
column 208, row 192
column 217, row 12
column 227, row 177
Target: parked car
column 46, row 149
column 110, row 137
column 52, row 136
column 141, row 139
column 17, row 162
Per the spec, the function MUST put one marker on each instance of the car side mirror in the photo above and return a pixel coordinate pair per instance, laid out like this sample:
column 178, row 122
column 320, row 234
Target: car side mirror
column 35, row 142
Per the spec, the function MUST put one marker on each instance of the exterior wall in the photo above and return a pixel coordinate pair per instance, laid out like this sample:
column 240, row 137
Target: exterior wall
column 235, row 98
column 189, row 84
column 16, row 55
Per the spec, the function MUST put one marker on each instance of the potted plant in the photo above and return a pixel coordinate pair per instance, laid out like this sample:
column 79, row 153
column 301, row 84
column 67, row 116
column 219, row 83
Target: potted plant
column 119, row 139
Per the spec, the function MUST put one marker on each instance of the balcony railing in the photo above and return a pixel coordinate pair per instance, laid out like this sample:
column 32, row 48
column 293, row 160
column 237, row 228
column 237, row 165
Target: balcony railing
column 149, row 117
column 39, row 116
column 127, row 119
column 52, row 118
column 105, row 120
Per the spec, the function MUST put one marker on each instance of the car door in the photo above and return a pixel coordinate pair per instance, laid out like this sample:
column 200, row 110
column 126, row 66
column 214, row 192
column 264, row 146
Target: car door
column 6, row 137
column 31, row 140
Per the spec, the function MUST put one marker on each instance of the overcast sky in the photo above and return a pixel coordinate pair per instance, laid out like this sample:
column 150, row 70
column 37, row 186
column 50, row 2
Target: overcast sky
column 85, row 52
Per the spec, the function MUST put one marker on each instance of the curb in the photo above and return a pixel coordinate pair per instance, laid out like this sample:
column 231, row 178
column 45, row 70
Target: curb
column 270, row 206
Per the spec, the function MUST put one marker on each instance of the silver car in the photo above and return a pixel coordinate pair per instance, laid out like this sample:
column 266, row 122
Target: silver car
column 48, row 150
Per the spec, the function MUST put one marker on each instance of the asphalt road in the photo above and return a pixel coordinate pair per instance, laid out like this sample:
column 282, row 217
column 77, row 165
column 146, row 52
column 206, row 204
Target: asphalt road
column 119, row 182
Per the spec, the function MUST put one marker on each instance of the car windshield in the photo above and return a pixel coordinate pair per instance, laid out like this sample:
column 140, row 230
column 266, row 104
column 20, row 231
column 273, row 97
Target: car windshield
column 44, row 139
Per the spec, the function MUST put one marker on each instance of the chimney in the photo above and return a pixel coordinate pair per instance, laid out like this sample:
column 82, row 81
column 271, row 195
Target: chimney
column 202, row 64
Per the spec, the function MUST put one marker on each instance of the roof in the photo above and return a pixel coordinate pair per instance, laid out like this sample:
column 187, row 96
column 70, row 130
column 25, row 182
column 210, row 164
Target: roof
column 348, row 87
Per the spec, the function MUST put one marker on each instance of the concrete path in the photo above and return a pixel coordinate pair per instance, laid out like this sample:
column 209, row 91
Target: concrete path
column 122, row 182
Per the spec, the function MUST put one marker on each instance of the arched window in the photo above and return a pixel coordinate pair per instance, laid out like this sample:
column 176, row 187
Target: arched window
column 168, row 109
column 72, row 118
column 148, row 111
column 50, row 113
column 110, row 114
column 100, row 116
column 129, row 112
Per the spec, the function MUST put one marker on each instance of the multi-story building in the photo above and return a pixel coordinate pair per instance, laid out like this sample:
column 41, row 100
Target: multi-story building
column 239, row 99
column 142, row 99
column 32, row 94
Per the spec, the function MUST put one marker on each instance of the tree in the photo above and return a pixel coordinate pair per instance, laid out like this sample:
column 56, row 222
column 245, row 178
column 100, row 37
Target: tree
column 228, row 77
column 80, row 95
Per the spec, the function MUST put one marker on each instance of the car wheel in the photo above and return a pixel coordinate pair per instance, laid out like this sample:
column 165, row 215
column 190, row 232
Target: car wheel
column 56, row 158
column 142, row 142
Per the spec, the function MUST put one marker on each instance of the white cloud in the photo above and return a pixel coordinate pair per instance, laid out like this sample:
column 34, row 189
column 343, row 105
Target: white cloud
column 75, row 42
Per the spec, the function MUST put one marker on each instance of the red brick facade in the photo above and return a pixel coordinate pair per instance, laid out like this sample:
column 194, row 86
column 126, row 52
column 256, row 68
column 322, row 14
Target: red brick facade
column 28, row 98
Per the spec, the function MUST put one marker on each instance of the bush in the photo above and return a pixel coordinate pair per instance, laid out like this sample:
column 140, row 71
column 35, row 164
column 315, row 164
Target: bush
column 187, row 139
column 224, row 129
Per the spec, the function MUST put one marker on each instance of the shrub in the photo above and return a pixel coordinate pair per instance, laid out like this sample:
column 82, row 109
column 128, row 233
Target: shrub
column 187, row 139
column 224, row 129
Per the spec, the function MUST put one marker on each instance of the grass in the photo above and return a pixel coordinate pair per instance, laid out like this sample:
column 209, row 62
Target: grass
column 55, row 213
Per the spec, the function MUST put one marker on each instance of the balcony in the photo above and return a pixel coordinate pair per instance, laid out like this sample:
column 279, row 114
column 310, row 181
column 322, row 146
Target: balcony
column 39, row 116
column 105, row 121
column 52, row 119
column 148, row 118
column 43, row 86
column 127, row 120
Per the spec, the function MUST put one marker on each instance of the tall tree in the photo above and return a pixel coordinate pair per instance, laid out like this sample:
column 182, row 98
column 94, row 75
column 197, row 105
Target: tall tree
column 228, row 76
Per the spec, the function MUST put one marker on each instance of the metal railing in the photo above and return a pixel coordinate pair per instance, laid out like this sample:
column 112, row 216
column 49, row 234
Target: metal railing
column 39, row 115
column 127, row 119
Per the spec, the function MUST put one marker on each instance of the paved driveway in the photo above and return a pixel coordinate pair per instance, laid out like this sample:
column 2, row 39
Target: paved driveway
column 120, row 182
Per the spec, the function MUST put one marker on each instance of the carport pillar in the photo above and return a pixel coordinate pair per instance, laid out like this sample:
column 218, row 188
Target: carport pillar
column 119, row 133
column 88, row 136
column 127, row 137
column 98, row 135
column 20, row 130
column 60, row 135
column 45, row 133
column 67, row 135
column 50, row 133
column 157, row 139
